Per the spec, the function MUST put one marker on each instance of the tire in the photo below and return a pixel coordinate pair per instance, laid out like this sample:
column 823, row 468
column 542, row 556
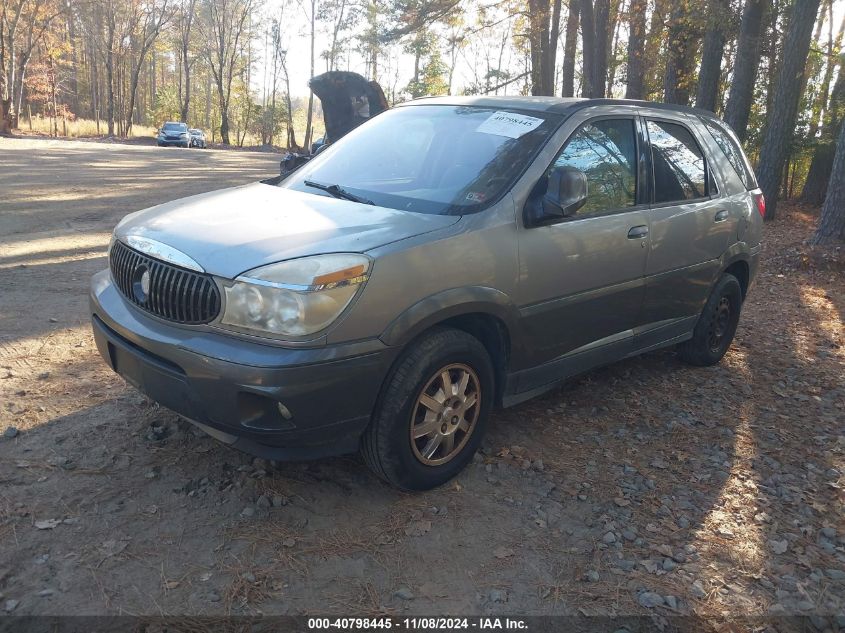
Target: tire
column 387, row 445
column 716, row 326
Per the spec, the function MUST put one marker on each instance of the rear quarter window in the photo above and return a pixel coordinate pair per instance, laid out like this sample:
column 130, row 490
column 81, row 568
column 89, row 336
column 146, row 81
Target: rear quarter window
column 732, row 151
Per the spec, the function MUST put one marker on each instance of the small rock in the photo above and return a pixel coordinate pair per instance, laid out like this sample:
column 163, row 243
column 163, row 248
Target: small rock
column 592, row 576
column 679, row 557
column 697, row 589
column 683, row 523
column 828, row 532
column 403, row 593
column 53, row 320
column 609, row 538
column 263, row 502
column 671, row 602
column 47, row 524
column 11, row 605
column 649, row 599
column 779, row 547
column 10, row 432
column 279, row 501
column 214, row 597
column 497, row 595
column 725, row 532
column 248, row 576
column 669, row 564
column 835, row 574
column 628, row 534
column 44, row 593
column 503, row 552
column 248, row 511
column 289, row 542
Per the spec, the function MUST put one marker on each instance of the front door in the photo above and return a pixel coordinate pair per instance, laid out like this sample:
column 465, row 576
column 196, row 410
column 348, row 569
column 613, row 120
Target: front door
column 581, row 280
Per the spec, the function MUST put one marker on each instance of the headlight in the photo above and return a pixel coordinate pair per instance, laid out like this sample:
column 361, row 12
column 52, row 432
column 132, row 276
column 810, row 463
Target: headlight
column 296, row 297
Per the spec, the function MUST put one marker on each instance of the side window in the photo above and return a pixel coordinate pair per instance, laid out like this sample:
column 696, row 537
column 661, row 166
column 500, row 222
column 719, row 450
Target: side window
column 679, row 170
column 732, row 152
column 605, row 150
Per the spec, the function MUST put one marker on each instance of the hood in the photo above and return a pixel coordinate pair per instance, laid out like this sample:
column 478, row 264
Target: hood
column 234, row 230
column 347, row 99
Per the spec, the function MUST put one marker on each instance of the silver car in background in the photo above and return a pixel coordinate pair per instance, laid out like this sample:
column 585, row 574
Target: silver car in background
column 448, row 256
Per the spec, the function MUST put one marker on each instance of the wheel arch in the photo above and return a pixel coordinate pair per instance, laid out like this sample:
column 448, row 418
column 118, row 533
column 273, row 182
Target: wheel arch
column 485, row 313
column 737, row 262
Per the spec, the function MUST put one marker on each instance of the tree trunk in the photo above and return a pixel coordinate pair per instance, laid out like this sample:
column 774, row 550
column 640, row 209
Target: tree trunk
column 310, row 116
column 815, row 186
column 747, row 61
column 654, row 40
column 570, row 47
column 5, row 119
column 635, row 84
column 781, row 125
column 711, row 55
column 538, row 42
column 601, row 21
column 110, row 80
column 551, row 49
column 832, row 222
column 224, row 111
column 680, row 62
column 590, row 55
column 186, row 67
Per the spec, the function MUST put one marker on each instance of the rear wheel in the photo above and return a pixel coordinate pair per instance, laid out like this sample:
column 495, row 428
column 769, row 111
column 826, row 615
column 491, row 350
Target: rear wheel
column 432, row 412
column 716, row 326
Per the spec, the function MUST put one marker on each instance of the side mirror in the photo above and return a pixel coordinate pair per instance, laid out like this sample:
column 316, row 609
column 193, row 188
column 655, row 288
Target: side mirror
column 565, row 192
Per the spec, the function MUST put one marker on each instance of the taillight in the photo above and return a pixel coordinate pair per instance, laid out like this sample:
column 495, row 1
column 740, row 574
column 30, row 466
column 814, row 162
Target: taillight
column 760, row 201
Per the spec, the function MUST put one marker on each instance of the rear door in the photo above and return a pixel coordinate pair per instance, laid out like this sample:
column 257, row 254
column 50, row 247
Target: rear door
column 691, row 226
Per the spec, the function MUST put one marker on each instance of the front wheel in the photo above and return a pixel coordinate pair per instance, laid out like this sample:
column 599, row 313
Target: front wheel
column 432, row 412
column 716, row 326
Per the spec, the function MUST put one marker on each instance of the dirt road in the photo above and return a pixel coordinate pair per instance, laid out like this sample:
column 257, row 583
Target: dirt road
column 646, row 487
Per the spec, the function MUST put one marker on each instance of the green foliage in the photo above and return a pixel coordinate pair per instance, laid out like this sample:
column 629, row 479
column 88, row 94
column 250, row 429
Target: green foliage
column 166, row 106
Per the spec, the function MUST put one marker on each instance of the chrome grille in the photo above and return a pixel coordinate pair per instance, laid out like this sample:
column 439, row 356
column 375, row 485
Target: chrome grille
column 170, row 292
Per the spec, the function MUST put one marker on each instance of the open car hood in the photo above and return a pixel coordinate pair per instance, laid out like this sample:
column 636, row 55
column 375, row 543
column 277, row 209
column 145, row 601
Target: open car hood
column 348, row 100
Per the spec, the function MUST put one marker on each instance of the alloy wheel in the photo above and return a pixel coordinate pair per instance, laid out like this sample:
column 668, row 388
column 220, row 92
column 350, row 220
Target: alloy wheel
column 445, row 414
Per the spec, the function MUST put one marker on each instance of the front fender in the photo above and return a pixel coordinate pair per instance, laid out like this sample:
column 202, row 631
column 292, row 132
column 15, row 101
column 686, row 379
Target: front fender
column 452, row 303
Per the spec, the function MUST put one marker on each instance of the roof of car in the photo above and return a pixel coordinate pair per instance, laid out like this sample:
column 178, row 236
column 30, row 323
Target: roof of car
column 549, row 104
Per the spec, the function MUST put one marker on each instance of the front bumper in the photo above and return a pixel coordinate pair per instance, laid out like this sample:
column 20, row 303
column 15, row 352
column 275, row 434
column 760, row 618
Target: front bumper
column 171, row 142
column 231, row 387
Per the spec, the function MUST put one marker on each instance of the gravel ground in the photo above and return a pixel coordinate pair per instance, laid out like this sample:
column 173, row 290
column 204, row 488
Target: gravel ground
column 647, row 487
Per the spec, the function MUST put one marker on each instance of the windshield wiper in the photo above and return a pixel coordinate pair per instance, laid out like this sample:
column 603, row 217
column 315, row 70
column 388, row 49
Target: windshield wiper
column 337, row 192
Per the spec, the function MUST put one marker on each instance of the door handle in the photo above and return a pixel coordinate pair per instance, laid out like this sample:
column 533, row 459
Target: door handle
column 638, row 232
column 721, row 216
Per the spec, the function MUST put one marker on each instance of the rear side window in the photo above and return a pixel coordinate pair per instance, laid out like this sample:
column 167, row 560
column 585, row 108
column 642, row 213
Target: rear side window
column 679, row 168
column 605, row 150
column 732, row 152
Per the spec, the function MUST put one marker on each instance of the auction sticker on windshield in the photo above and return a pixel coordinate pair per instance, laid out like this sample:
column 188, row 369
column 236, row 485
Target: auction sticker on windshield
column 509, row 124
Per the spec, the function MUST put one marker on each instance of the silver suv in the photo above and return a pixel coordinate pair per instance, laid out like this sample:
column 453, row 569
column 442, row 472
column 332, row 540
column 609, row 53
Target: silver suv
column 448, row 256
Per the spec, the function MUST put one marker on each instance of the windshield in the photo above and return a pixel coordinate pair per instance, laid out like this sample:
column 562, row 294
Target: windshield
column 175, row 127
column 430, row 158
